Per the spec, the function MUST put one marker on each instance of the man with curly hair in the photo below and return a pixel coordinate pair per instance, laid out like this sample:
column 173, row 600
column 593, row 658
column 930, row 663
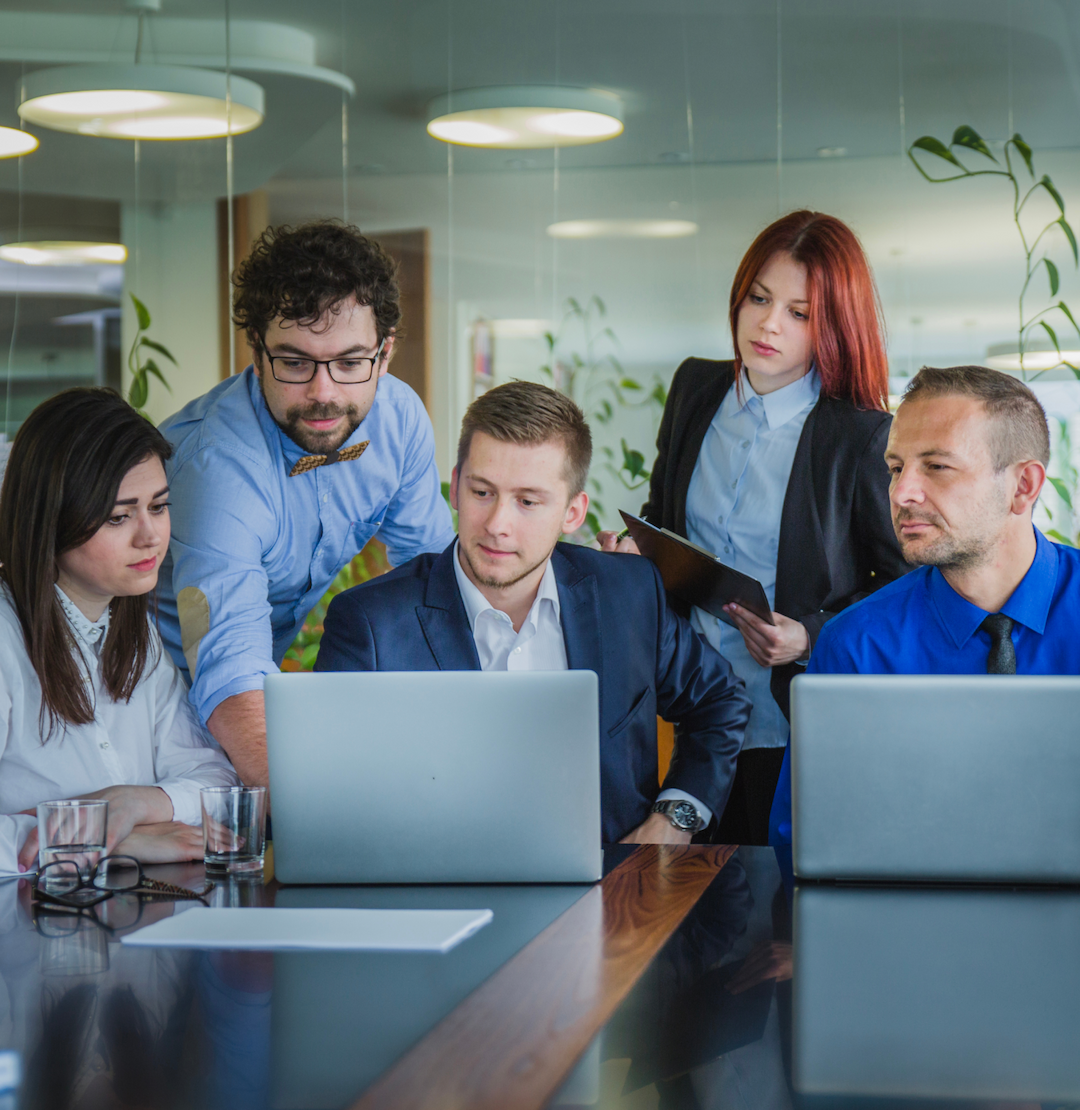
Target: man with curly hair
column 281, row 474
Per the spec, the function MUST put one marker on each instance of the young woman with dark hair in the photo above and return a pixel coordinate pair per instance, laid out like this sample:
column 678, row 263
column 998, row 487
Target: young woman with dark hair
column 90, row 704
column 783, row 476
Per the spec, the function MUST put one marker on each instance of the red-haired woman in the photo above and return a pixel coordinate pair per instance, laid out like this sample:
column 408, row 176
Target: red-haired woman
column 774, row 461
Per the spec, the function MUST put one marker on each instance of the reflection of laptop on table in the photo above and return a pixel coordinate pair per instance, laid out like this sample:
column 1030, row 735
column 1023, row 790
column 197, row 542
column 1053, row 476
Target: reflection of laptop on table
column 696, row 576
column 435, row 776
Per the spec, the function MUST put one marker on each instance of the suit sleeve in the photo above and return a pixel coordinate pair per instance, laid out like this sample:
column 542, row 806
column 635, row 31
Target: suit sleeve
column 697, row 690
column 871, row 529
column 347, row 642
column 653, row 509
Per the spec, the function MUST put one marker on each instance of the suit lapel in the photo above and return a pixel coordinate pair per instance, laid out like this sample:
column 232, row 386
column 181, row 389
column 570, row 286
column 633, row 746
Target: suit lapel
column 579, row 604
column 701, row 418
column 444, row 620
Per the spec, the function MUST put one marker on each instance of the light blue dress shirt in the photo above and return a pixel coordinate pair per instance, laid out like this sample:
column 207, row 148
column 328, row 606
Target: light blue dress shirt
column 254, row 550
column 733, row 509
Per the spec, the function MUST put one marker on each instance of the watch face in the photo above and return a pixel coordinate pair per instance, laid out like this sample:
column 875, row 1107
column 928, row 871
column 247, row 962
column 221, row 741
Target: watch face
column 685, row 815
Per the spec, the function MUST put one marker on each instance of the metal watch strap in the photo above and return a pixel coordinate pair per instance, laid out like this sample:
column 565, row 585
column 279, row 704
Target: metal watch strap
column 668, row 805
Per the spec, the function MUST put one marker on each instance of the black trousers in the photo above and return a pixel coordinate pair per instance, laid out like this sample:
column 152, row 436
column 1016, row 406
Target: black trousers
column 745, row 819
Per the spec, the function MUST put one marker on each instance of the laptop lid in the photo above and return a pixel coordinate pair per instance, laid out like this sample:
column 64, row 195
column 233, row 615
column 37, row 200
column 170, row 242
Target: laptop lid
column 940, row 778
column 435, row 776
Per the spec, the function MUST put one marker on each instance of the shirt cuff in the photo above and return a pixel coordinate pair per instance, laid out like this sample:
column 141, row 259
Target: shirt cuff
column 186, row 802
column 681, row 796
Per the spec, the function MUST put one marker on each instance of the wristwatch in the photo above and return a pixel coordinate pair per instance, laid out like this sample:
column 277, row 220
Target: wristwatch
column 681, row 813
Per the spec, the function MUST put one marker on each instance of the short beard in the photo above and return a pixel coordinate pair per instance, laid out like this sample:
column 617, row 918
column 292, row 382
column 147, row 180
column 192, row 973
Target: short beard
column 316, row 443
column 495, row 583
column 948, row 552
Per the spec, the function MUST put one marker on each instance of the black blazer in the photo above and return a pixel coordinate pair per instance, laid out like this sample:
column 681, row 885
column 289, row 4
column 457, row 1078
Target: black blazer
column 837, row 542
column 616, row 622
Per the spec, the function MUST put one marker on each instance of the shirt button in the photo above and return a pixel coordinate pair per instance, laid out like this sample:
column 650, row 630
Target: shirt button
column 719, row 520
column 745, row 443
column 727, row 550
column 325, row 498
column 517, row 651
column 735, row 485
column 104, row 745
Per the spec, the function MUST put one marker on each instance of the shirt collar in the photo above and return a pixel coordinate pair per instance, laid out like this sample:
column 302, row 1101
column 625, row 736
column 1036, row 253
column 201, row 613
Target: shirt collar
column 91, row 633
column 1029, row 603
column 475, row 602
column 291, row 451
column 786, row 403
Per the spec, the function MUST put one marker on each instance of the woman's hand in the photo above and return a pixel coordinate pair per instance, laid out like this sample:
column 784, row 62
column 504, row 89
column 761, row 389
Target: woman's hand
column 163, row 842
column 130, row 806
column 624, row 546
column 771, row 645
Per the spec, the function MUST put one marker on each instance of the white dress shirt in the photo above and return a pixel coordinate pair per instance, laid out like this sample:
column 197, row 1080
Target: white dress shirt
column 539, row 645
column 733, row 508
column 153, row 739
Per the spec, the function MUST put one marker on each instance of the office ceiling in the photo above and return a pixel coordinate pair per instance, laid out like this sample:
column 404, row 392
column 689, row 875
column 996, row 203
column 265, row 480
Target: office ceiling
column 845, row 64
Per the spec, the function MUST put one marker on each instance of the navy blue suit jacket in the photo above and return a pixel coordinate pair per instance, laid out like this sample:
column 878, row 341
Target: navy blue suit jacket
column 616, row 622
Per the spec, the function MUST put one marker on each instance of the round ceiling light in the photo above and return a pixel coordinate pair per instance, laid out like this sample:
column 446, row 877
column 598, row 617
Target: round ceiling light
column 1038, row 355
column 622, row 229
column 521, row 117
column 14, row 143
column 141, row 101
column 56, row 252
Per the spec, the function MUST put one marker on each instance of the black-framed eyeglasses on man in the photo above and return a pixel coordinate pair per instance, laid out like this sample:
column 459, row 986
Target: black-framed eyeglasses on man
column 354, row 370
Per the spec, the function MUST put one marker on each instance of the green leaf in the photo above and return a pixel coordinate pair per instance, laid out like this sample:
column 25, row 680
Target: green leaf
column 161, row 350
column 138, row 392
column 1072, row 239
column 596, row 485
column 968, row 137
column 1052, row 270
column 549, row 339
column 1048, row 185
column 1068, row 315
column 936, row 146
column 592, row 522
column 633, row 462
column 659, row 394
column 607, row 410
column 1053, row 335
column 1025, row 153
column 141, row 311
column 1074, row 369
column 151, row 367
column 608, row 452
column 1057, row 537
column 1062, row 490
column 574, row 308
column 600, row 306
column 629, row 383
column 308, row 657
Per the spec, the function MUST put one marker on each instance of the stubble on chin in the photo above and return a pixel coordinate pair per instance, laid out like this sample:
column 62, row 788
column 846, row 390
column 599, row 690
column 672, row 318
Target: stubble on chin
column 490, row 583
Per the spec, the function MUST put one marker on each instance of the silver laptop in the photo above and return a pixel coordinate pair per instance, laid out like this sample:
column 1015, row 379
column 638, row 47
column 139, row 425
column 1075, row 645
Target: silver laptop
column 435, row 776
column 941, row 778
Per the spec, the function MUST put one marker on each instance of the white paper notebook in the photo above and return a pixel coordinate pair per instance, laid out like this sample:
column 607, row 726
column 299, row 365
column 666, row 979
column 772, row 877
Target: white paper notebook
column 265, row 927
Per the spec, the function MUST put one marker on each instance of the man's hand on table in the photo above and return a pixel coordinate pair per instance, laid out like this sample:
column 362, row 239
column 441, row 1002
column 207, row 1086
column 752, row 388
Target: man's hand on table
column 657, row 829
column 238, row 724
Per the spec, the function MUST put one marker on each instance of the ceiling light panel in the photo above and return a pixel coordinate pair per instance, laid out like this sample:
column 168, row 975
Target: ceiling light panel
column 55, row 252
column 14, row 143
column 622, row 229
column 521, row 117
column 140, row 101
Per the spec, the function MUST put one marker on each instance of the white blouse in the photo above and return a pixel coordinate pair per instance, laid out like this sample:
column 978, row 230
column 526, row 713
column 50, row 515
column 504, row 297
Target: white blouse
column 151, row 740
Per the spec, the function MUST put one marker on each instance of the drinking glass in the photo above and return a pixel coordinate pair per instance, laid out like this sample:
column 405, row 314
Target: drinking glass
column 73, row 829
column 234, row 828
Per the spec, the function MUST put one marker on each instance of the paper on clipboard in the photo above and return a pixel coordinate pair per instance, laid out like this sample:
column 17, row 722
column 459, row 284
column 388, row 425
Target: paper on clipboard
column 696, row 576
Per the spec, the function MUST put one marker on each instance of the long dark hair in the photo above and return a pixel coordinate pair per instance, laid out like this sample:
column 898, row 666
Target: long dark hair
column 63, row 475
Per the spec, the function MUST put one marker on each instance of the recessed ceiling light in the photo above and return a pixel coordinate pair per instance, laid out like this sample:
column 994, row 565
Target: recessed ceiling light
column 14, row 143
column 525, row 116
column 55, row 252
column 141, row 101
column 622, row 229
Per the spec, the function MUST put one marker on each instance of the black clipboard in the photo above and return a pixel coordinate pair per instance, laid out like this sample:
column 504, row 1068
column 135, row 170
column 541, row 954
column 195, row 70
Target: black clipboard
column 696, row 576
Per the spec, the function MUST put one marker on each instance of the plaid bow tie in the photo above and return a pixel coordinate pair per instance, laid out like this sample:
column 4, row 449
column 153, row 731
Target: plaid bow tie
column 309, row 462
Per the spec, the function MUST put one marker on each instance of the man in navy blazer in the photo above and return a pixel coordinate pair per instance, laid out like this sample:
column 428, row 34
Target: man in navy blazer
column 507, row 596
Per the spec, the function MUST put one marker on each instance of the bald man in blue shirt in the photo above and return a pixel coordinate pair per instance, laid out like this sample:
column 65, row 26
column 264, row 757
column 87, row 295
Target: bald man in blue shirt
column 967, row 452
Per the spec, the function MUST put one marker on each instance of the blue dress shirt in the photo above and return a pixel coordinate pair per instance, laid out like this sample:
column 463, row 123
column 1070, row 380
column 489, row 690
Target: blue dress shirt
column 919, row 624
column 254, row 550
column 733, row 508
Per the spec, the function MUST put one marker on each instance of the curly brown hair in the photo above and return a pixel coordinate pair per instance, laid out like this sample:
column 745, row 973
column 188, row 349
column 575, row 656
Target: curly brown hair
column 300, row 273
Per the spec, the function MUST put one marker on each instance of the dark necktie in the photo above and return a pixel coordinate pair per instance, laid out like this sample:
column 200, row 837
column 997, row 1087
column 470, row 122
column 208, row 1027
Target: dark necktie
column 1002, row 657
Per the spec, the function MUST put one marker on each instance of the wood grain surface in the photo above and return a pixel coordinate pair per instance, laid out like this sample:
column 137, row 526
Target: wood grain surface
column 514, row 1040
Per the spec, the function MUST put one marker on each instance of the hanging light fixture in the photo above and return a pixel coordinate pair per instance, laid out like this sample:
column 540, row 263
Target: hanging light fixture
column 521, row 117
column 1039, row 355
column 15, row 143
column 63, row 252
column 140, row 101
column 622, row 229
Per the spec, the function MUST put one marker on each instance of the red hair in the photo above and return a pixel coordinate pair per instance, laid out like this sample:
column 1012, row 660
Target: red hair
column 845, row 314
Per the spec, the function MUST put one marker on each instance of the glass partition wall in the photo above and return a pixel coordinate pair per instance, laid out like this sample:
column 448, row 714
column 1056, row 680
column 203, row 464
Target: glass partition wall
column 597, row 266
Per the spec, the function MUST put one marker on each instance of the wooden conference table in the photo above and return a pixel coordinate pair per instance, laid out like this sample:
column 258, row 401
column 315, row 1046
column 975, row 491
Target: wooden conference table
column 665, row 986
